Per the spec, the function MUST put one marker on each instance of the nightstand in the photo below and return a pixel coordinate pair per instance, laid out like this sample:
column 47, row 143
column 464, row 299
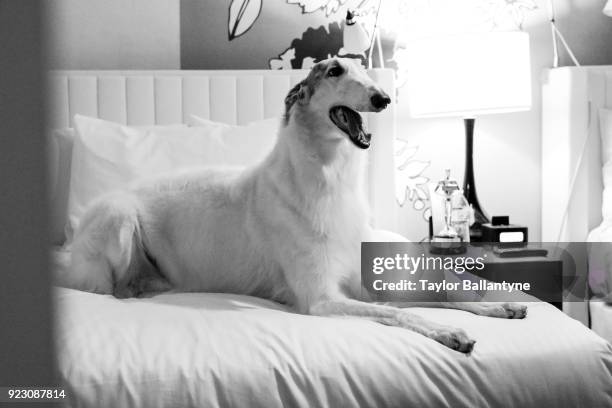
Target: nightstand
column 545, row 274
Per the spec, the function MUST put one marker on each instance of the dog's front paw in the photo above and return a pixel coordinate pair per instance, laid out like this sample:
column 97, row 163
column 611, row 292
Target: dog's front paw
column 453, row 338
column 515, row 311
column 503, row 310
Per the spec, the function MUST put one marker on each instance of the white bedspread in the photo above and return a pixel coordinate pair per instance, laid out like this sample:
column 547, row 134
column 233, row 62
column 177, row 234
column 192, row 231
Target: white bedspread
column 210, row 350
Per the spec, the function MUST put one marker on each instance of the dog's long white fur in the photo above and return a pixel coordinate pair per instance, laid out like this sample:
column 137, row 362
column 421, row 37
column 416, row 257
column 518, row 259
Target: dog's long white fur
column 288, row 229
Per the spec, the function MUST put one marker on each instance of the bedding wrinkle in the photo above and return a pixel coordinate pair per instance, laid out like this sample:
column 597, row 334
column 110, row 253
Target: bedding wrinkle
column 355, row 395
column 218, row 350
column 289, row 396
column 221, row 399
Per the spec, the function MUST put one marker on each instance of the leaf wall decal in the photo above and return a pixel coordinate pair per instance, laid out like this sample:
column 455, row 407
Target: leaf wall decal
column 310, row 6
column 242, row 16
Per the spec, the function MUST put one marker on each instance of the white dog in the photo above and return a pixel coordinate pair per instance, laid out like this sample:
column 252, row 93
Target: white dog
column 289, row 229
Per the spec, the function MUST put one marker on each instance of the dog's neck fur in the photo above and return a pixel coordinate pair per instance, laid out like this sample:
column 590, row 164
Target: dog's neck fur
column 317, row 147
column 315, row 159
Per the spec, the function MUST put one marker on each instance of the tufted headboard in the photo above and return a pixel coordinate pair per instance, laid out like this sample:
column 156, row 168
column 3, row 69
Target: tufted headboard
column 233, row 97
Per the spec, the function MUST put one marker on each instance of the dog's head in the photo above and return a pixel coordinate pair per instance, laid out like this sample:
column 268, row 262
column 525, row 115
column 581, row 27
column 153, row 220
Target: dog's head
column 335, row 91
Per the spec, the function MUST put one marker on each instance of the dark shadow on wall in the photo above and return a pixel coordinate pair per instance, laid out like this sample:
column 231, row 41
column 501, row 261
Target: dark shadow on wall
column 317, row 44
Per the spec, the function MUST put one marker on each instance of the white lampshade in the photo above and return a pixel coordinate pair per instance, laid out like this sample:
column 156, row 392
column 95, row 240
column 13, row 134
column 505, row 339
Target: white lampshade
column 607, row 10
column 469, row 75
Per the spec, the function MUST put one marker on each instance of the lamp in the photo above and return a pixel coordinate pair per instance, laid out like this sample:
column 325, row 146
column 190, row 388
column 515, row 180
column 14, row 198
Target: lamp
column 607, row 10
column 354, row 36
column 466, row 76
column 356, row 39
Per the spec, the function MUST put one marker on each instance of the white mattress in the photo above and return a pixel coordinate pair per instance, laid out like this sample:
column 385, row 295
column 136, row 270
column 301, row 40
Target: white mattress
column 215, row 350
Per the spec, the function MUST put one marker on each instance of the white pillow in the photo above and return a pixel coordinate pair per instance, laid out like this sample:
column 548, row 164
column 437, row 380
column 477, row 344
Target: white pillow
column 108, row 156
column 61, row 142
column 605, row 127
column 244, row 145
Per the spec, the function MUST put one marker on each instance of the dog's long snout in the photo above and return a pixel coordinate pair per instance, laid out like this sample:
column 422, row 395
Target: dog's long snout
column 380, row 100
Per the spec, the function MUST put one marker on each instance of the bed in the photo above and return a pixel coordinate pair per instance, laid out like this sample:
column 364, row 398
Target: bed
column 573, row 102
column 220, row 350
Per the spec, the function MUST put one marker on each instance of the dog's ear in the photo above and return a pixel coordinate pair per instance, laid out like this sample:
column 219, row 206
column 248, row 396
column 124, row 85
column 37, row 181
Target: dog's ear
column 300, row 93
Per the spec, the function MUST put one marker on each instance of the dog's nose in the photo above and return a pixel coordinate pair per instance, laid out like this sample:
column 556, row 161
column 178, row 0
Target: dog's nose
column 380, row 100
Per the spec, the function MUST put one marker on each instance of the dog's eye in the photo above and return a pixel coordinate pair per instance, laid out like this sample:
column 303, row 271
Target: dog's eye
column 335, row 71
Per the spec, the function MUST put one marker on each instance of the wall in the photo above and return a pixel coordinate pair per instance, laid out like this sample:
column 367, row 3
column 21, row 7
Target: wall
column 587, row 30
column 507, row 147
column 204, row 35
column 26, row 354
column 146, row 34
column 113, row 34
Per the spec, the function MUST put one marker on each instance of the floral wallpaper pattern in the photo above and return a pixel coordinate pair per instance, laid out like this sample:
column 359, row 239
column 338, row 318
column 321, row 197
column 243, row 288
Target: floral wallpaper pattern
column 410, row 183
column 399, row 20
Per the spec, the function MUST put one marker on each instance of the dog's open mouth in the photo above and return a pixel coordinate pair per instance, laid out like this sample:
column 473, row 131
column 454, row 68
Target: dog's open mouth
column 349, row 121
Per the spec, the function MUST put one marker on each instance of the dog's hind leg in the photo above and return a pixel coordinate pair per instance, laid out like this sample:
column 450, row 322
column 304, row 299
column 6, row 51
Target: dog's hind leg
column 104, row 247
column 466, row 300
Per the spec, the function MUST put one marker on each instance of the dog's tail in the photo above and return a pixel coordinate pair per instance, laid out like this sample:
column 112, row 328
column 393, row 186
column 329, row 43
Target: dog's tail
column 101, row 257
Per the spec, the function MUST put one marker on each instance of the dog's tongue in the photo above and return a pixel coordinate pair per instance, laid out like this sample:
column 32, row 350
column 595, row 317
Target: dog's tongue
column 350, row 122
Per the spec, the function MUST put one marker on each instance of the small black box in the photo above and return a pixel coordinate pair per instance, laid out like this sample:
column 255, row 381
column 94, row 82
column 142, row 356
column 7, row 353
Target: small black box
column 500, row 220
column 504, row 233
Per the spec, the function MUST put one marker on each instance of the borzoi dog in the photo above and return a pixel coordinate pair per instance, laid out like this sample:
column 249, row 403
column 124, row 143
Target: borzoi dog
column 288, row 229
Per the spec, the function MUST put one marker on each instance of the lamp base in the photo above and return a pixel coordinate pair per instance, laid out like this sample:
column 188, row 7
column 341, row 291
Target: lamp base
column 476, row 228
column 469, row 186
